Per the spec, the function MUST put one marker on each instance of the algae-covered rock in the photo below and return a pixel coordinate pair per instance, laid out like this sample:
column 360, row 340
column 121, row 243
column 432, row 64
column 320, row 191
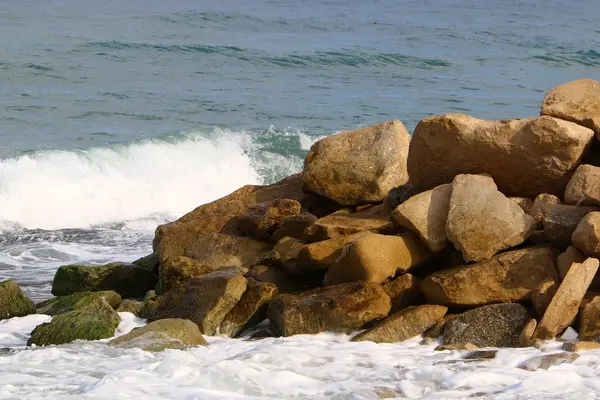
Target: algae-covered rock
column 13, row 303
column 169, row 333
column 126, row 279
column 150, row 262
column 63, row 304
column 98, row 320
column 132, row 306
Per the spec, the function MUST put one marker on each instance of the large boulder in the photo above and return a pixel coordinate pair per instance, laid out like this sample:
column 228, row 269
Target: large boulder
column 540, row 203
column 321, row 255
column 577, row 101
column 403, row 325
column 507, row 277
column 205, row 300
column 586, row 236
column 337, row 225
column 179, row 270
column 262, row 220
column 95, row 321
column 482, row 221
column 126, row 279
column 168, row 333
column 565, row 304
column 525, row 157
column 495, row 325
column 294, row 226
column 13, row 303
column 358, row 167
column 560, row 222
column 403, row 290
column 63, row 304
column 375, row 258
column 340, row 308
column 426, row 214
column 584, row 187
column 251, row 309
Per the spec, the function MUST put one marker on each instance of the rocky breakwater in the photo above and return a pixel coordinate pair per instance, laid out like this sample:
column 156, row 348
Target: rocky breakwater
column 483, row 233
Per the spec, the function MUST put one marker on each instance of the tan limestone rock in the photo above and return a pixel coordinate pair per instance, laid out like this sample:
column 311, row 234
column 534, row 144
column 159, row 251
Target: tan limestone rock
column 564, row 260
column 542, row 296
column 403, row 290
column 539, row 205
column 337, row 225
column 527, row 333
column 589, row 320
column 587, row 235
column 584, row 187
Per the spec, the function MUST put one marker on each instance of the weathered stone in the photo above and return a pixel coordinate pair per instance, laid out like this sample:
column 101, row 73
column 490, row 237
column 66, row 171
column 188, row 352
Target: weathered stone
column 580, row 346
column 321, row 255
column 403, row 325
column 584, row 187
column 403, row 290
column 339, row 308
column 358, row 167
column 294, row 226
column 587, row 235
column 589, row 320
column 426, row 214
column 338, row 225
column 97, row 320
column 482, row 221
column 495, row 325
column 397, row 196
column 13, row 303
column 527, row 333
column 525, row 203
column 126, row 279
column 178, row 270
column 205, row 300
column 262, row 220
column 150, row 262
column 565, row 303
column 437, row 330
column 250, row 310
column 149, row 302
column 539, row 205
column 169, row 333
column 375, row 258
column 560, row 222
column 547, row 361
column 525, row 157
column 131, row 306
column 63, row 304
column 542, row 296
column 564, row 260
column 284, row 283
column 283, row 256
column 507, row 277
column 577, row 101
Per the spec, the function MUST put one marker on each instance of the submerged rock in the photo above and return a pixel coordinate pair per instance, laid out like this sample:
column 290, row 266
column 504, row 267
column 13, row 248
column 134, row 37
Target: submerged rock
column 589, row 320
column 548, row 360
column 65, row 304
column 13, row 303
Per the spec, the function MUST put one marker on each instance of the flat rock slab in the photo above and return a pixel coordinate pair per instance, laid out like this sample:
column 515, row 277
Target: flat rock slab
column 169, row 333
column 338, row 225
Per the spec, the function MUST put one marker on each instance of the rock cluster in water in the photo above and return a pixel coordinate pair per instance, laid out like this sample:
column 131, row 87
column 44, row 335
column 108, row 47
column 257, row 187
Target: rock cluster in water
column 486, row 233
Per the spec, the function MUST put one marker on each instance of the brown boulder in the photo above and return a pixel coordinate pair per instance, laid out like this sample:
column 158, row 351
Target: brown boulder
column 577, row 101
column 284, row 283
column 262, row 220
column 358, row 167
column 426, row 214
column 584, row 187
column 587, row 235
column 589, row 320
column 403, row 325
column 338, row 225
column 179, row 270
column 482, row 221
column 539, row 205
column 375, row 258
column 397, row 196
column 403, row 290
column 560, row 222
column 294, row 226
column 321, row 255
column 339, row 308
column 523, row 202
column 542, row 296
column 507, row 277
column 565, row 303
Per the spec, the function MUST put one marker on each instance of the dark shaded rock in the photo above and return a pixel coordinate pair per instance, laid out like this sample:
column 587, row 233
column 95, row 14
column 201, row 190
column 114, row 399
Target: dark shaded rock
column 170, row 333
column 150, row 262
column 397, row 196
column 294, row 226
column 262, row 220
column 177, row 271
column 403, row 290
column 560, row 222
column 13, row 303
column 132, row 306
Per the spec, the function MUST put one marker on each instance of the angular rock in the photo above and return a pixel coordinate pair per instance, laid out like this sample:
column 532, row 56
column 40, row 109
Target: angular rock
column 13, row 303
column 523, row 202
column 589, row 320
column 403, row 325
column 542, row 296
column 540, row 203
column 577, row 101
column 426, row 214
column 98, row 320
column 149, row 302
column 250, row 310
column 321, row 255
column 560, row 222
column 397, row 196
column 525, row 157
column 205, row 300
column 548, row 360
column 337, row 225
column 482, row 221
column 368, row 163
column 150, row 262
column 587, row 235
column 437, row 330
column 63, row 304
column 339, row 308
column 564, row 260
column 495, row 325
column 507, row 277
column 168, row 333
column 403, row 290
column 584, row 187
column 126, row 279
column 262, row 220
column 565, row 303
column 527, row 333
column 580, row 346
column 294, row 226
column 375, row 258
column 284, row 283
column 179, row 270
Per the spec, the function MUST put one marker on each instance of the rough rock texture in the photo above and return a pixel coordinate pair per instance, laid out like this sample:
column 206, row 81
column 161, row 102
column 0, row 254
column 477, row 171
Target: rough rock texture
column 179, row 270
column 539, row 205
column 97, row 320
column 564, row 260
column 482, row 221
column 339, row 308
column 577, row 101
column 251, row 309
column 294, row 226
column 397, row 196
column 523, row 202
column 13, row 303
column 322, row 255
column 496, row 325
column 560, row 222
column 262, row 220
column 507, row 277
column 168, row 333
column 150, row 262
column 547, row 361
column 586, row 236
column 589, row 320
column 584, row 187
column 337, row 225
column 375, row 258
column 403, row 325
column 132, row 306
column 149, row 305
column 63, row 304
column 426, row 214
column 437, row 330
column 126, row 279
column 283, row 255
column 205, row 300
column 525, row 157
column 358, row 167
column 284, row 283
column 527, row 333
column 565, row 303
column 542, row 296
column 403, row 290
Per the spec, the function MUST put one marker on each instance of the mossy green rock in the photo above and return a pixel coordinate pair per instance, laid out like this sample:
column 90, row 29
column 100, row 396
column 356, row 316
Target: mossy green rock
column 63, row 304
column 132, row 306
column 126, row 279
column 150, row 262
column 13, row 303
column 169, row 333
column 97, row 320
